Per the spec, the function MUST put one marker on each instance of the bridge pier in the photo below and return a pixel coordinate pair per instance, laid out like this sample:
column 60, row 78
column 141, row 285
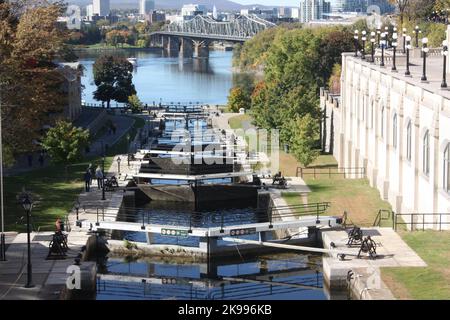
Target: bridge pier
column 171, row 45
column 201, row 49
column 186, row 48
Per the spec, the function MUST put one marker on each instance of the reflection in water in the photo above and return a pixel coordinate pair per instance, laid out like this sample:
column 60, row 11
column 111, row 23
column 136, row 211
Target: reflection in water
column 170, row 79
column 283, row 276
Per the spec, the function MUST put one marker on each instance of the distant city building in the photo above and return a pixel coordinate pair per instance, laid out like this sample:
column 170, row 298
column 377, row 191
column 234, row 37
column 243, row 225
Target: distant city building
column 174, row 18
column 101, row 8
column 295, row 13
column 359, row 6
column 89, row 12
column 146, row 7
column 285, row 12
column 266, row 14
column 313, row 10
column 189, row 11
column 156, row 16
column 215, row 15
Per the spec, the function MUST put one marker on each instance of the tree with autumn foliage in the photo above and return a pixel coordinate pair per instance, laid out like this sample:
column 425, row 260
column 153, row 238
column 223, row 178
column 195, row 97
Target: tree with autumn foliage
column 238, row 99
column 30, row 41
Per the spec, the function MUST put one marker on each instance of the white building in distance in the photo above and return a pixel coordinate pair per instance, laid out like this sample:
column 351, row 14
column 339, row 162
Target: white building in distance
column 89, row 11
column 101, row 8
column 189, row 11
column 146, row 7
column 313, row 10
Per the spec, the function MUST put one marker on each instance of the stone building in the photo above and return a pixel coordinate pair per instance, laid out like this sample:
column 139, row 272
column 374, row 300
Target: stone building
column 398, row 128
column 72, row 87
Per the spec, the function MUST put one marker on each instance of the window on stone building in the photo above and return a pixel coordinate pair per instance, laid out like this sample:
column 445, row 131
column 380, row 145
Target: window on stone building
column 426, row 153
column 408, row 141
column 446, row 183
column 394, row 131
column 382, row 123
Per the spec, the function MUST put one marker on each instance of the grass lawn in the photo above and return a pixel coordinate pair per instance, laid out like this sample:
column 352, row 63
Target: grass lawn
column 54, row 194
column 431, row 282
column 355, row 196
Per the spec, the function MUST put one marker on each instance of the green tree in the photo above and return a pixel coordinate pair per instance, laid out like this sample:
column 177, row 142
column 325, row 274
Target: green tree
column 113, row 77
column 135, row 104
column 65, row 143
column 305, row 136
column 238, row 99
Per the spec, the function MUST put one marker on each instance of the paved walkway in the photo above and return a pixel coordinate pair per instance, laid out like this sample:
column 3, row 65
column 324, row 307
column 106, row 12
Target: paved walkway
column 391, row 250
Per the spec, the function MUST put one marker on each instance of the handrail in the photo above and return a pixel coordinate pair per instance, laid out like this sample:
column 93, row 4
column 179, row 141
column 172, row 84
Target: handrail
column 216, row 219
column 360, row 171
column 379, row 217
column 413, row 222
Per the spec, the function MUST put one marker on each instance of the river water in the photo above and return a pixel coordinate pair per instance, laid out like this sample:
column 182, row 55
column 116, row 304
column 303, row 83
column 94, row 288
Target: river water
column 162, row 79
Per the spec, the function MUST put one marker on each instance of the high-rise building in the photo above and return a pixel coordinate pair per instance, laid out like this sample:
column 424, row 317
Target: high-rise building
column 89, row 11
column 101, row 7
column 295, row 13
column 313, row 10
column 215, row 15
column 146, row 7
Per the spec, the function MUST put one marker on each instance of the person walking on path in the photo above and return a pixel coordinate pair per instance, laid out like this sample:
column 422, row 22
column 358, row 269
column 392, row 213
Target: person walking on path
column 99, row 176
column 91, row 170
column 87, row 180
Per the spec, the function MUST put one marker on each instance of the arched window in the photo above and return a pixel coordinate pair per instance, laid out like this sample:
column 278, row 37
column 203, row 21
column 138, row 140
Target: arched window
column 394, row 131
column 446, row 183
column 426, row 153
column 408, row 141
column 382, row 123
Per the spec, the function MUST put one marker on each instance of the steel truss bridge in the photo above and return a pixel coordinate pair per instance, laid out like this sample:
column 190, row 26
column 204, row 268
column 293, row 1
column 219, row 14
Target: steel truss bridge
column 240, row 29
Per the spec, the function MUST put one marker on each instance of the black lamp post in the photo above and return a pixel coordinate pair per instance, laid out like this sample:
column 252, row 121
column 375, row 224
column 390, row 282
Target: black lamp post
column 404, row 40
column 103, row 177
column 386, row 32
column 416, row 32
column 118, row 164
column 424, row 54
column 444, row 70
column 408, row 47
column 378, row 34
column 27, row 204
column 363, row 50
column 356, row 37
column 383, row 45
column 372, row 42
column 394, row 49
column 77, row 207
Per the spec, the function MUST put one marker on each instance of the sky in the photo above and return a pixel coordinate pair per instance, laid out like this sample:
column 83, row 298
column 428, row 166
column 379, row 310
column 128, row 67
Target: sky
column 291, row 3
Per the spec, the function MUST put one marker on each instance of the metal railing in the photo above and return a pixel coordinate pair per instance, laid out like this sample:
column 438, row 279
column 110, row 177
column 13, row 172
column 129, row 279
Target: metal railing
column 202, row 219
column 413, row 221
column 381, row 216
column 360, row 172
